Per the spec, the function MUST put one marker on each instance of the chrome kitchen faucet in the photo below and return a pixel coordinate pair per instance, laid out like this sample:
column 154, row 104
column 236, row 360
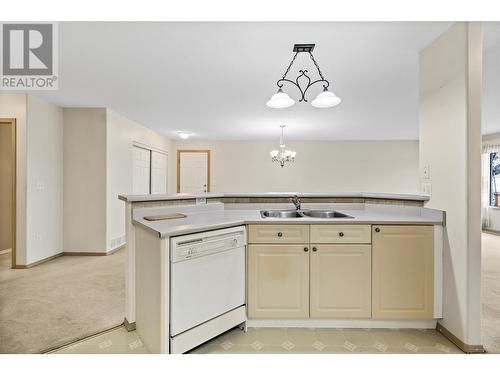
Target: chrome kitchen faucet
column 296, row 201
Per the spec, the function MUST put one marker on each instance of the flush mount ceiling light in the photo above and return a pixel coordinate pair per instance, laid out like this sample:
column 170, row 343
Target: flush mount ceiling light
column 184, row 135
column 325, row 99
column 282, row 156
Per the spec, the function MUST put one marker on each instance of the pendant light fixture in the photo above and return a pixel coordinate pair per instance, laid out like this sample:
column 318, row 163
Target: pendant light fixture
column 325, row 99
column 282, row 155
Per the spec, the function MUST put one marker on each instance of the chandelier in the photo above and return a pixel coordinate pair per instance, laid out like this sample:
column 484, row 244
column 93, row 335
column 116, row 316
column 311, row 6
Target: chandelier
column 325, row 99
column 282, row 156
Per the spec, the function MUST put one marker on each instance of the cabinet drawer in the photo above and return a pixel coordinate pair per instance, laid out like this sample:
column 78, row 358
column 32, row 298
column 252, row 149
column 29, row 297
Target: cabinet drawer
column 275, row 233
column 334, row 233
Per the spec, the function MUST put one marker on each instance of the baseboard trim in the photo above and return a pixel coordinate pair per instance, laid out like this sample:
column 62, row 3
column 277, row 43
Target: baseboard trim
column 466, row 348
column 68, row 253
column 129, row 326
column 84, row 253
column 37, row 263
column 491, row 231
column 118, row 248
column 93, row 253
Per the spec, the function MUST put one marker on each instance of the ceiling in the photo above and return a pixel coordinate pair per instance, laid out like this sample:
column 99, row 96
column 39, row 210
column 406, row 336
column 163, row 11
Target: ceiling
column 213, row 79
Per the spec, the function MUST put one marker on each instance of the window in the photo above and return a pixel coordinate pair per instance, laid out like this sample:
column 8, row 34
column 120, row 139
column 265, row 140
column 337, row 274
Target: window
column 495, row 179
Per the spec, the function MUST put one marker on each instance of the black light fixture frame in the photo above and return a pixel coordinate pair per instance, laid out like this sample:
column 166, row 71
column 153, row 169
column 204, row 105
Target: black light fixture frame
column 298, row 48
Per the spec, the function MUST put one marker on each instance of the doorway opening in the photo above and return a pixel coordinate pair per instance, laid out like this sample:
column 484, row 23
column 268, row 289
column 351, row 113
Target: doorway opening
column 8, row 192
column 193, row 171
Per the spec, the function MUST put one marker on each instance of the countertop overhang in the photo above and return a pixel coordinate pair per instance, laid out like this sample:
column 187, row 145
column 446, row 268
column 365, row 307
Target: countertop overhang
column 167, row 197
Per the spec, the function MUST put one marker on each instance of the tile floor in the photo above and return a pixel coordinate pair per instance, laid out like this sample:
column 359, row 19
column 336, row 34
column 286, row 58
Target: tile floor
column 283, row 340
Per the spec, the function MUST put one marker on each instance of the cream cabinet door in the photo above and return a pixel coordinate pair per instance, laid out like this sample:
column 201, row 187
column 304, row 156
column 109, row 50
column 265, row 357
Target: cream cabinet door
column 278, row 281
column 340, row 281
column 403, row 272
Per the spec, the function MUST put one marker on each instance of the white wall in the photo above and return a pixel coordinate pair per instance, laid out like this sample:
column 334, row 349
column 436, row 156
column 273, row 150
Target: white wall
column 491, row 90
column 369, row 166
column 6, row 186
column 14, row 106
column 450, row 142
column 45, row 179
column 121, row 134
column 84, row 180
column 39, row 137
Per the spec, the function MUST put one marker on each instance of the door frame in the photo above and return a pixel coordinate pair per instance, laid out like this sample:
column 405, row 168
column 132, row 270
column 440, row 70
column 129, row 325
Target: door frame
column 179, row 167
column 12, row 122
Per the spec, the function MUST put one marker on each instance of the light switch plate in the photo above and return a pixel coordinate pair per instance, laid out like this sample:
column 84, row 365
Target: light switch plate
column 427, row 172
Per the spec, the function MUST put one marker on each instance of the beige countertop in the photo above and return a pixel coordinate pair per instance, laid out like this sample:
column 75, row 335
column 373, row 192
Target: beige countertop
column 217, row 216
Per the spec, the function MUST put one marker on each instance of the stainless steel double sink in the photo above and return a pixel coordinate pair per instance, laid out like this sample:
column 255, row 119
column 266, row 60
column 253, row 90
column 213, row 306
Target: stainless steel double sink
column 290, row 214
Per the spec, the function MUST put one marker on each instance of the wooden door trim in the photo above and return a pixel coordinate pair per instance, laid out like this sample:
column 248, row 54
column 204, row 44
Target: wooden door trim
column 12, row 122
column 179, row 168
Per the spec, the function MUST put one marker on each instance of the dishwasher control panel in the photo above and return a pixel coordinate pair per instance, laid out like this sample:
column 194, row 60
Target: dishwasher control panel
column 206, row 243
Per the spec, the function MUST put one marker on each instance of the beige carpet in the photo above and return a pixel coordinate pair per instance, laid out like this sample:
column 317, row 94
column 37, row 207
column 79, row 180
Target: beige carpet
column 59, row 301
column 491, row 293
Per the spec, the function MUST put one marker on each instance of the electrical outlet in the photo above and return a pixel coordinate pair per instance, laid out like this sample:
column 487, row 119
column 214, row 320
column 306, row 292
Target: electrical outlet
column 426, row 188
column 40, row 185
column 38, row 236
column 201, row 200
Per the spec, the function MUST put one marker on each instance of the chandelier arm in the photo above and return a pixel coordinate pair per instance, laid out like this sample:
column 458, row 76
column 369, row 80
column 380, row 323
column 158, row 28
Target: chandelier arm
column 317, row 66
column 290, row 65
column 280, row 85
column 303, row 73
column 325, row 85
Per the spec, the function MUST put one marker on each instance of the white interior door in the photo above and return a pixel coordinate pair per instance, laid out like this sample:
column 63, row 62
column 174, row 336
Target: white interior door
column 141, row 170
column 193, row 172
column 158, row 173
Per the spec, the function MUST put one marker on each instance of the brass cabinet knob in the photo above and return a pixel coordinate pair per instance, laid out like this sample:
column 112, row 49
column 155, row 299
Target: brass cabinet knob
column 377, row 230
column 341, row 234
column 315, row 249
column 306, row 249
column 280, row 234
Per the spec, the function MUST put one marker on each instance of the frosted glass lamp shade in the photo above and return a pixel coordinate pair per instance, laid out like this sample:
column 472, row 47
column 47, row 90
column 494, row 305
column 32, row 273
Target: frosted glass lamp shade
column 280, row 100
column 326, row 99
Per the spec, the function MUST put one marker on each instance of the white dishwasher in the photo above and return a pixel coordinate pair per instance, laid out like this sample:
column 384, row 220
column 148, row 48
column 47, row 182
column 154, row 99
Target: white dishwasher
column 207, row 286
